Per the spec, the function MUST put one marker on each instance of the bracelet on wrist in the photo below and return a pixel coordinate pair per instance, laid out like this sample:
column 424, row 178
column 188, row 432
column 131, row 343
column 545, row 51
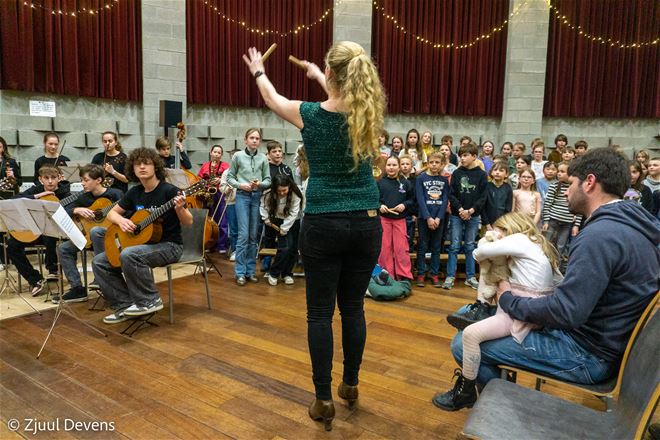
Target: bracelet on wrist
column 258, row 73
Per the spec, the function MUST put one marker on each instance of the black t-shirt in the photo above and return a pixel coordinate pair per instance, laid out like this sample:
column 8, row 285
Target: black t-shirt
column 43, row 160
column 87, row 199
column 136, row 198
column 118, row 162
column 183, row 160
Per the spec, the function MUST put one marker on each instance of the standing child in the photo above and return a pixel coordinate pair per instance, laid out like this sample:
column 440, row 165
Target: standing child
column 406, row 171
column 396, row 202
column 522, row 163
column 549, row 176
column 643, row 157
column 279, row 210
column 568, row 154
column 397, row 146
column 249, row 175
column 413, row 148
column 526, row 200
column 449, row 168
column 230, row 213
column 432, row 191
column 533, row 268
column 427, row 143
column 499, row 197
column 560, row 144
column 384, row 149
column 467, row 198
column 537, row 159
column 113, row 161
column 639, row 192
column 213, row 171
column 448, row 141
column 486, row 157
column 50, row 157
column 558, row 223
column 164, row 148
column 653, row 177
column 581, row 147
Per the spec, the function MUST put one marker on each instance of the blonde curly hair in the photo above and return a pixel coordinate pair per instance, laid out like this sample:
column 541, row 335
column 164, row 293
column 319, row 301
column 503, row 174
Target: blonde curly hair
column 356, row 78
column 518, row 223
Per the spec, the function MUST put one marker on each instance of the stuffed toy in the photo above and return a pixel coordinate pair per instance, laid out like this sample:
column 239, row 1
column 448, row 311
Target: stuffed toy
column 493, row 270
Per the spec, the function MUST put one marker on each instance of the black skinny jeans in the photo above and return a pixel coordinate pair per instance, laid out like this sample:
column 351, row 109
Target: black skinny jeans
column 339, row 252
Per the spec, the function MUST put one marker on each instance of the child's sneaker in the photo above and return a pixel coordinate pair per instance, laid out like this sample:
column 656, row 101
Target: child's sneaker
column 472, row 282
column 272, row 280
column 288, row 280
column 436, row 281
column 420, row 280
column 449, row 283
column 115, row 318
column 145, row 309
column 36, row 288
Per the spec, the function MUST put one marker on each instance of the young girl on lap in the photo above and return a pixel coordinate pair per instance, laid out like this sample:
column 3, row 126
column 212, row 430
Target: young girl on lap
column 533, row 264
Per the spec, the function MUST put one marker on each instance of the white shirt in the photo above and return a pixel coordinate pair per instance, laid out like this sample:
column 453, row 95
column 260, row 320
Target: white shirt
column 537, row 167
column 529, row 265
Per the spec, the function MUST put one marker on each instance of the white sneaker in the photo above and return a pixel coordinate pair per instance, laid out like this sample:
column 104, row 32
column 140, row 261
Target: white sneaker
column 2, row 267
column 272, row 281
column 233, row 257
column 146, row 309
column 288, row 280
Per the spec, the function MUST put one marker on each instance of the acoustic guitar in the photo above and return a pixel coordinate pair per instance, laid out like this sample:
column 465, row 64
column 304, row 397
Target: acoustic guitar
column 101, row 208
column 29, row 237
column 146, row 231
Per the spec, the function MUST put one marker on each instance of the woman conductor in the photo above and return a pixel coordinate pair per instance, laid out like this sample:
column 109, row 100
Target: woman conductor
column 341, row 232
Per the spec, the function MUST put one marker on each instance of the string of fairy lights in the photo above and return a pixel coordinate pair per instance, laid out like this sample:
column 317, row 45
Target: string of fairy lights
column 561, row 18
column 265, row 31
column 78, row 12
column 441, row 45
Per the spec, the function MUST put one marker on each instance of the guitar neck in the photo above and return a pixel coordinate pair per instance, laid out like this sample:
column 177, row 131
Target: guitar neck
column 70, row 199
column 106, row 210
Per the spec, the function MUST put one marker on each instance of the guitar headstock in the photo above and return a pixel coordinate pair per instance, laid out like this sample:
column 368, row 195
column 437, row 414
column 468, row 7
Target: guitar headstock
column 196, row 188
column 181, row 133
column 7, row 183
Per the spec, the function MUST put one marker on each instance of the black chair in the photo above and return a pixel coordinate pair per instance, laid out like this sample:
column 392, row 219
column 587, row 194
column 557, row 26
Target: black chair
column 507, row 410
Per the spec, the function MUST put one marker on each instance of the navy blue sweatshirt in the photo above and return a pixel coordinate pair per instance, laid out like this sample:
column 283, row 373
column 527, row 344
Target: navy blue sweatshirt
column 432, row 193
column 613, row 272
column 468, row 190
column 396, row 191
column 499, row 201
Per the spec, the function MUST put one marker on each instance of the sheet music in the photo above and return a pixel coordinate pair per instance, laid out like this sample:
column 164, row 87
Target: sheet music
column 70, row 229
column 15, row 217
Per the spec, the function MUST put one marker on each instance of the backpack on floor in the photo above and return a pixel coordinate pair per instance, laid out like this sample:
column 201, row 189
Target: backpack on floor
column 382, row 287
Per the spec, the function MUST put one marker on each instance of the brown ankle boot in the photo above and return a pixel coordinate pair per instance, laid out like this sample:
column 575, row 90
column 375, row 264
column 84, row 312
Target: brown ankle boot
column 323, row 410
column 349, row 393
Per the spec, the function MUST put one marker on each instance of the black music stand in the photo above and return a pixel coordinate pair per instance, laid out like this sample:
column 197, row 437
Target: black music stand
column 52, row 221
column 10, row 216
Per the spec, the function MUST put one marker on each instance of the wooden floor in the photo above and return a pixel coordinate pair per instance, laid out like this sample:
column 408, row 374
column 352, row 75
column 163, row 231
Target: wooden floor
column 241, row 370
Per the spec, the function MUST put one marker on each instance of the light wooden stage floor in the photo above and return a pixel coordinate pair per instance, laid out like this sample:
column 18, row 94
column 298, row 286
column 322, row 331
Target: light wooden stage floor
column 241, row 370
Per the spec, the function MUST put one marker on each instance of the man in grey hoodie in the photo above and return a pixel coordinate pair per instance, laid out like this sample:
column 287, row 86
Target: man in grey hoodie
column 612, row 275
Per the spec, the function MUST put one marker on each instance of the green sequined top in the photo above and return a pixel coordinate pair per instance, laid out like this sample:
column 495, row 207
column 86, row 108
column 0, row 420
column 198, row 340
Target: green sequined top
column 333, row 186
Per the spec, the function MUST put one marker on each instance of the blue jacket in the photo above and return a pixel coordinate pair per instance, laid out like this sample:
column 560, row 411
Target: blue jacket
column 613, row 273
column 432, row 193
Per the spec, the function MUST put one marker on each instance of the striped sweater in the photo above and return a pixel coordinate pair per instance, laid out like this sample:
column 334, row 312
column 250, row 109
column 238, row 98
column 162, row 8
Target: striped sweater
column 556, row 205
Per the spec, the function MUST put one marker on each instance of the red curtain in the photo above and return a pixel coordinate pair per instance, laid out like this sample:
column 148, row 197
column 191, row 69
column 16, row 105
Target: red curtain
column 97, row 55
column 217, row 74
column 588, row 79
column 422, row 79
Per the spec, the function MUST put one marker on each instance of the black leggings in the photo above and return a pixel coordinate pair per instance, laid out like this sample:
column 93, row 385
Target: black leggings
column 339, row 252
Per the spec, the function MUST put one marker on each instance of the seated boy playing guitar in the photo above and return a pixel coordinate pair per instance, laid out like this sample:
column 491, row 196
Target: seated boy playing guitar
column 49, row 185
column 91, row 177
column 130, row 289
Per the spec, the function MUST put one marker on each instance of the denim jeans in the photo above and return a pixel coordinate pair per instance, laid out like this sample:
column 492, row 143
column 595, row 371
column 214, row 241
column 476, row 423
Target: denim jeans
column 68, row 253
column 558, row 234
column 428, row 239
column 339, row 253
column 133, row 282
column 247, row 217
column 233, row 226
column 465, row 231
column 287, row 253
column 552, row 352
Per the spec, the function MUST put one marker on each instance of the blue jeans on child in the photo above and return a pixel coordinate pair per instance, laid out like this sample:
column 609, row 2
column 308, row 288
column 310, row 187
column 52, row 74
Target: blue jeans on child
column 552, row 352
column 233, row 226
column 428, row 240
column 465, row 231
column 247, row 217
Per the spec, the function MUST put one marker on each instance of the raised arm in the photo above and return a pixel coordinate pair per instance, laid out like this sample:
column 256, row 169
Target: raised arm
column 283, row 107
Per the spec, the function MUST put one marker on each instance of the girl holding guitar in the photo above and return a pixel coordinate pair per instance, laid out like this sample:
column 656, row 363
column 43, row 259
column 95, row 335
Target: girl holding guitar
column 130, row 289
column 49, row 184
column 113, row 161
column 52, row 155
column 91, row 177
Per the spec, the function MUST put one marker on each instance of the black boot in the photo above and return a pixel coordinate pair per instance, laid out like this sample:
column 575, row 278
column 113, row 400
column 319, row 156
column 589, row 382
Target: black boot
column 463, row 395
column 474, row 313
